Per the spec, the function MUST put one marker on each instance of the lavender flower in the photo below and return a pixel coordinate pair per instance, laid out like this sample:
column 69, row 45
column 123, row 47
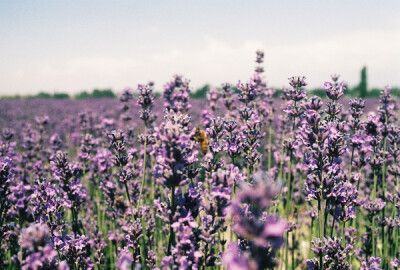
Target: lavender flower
column 372, row 264
column 263, row 233
column 36, row 249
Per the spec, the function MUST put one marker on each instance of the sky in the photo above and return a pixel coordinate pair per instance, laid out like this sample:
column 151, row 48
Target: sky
column 70, row 46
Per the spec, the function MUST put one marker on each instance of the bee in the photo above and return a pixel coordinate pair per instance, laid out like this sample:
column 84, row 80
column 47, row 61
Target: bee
column 120, row 203
column 201, row 137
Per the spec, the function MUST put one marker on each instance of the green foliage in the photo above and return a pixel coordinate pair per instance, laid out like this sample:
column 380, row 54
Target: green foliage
column 96, row 93
column 47, row 95
column 14, row 97
column 42, row 95
column 395, row 92
column 363, row 86
column 200, row 92
column 358, row 91
column 82, row 95
column 351, row 92
column 318, row 92
column 373, row 93
column 60, row 96
column 157, row 95
column 278, row 93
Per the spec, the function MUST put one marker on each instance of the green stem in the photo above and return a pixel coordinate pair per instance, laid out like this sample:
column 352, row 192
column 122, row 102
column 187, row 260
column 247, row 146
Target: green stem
column 269, row 147
column 342, row 232
column 129, row 198
column 383, row 186
column 171, row 231
column 373, row 197
column 351, row 163
column 373, row 238
column 111, row 254
column 321, row 205
column 290, row 178
column 292, row 251
column 144, row 170
column 287, row 251
column 311, row 232
column 333, row 226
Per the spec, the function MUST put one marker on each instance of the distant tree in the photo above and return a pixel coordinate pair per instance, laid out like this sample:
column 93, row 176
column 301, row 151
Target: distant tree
column 42, row 95
column 278, row 93
column 395, row 91
column 11, row 97
column 374, row 93
column 97, row 93
column 82, row 95
column 103, row 93
column 157, row 94
column 200, row 92
column 60, row 95
column 318, row 92
column 363, row 86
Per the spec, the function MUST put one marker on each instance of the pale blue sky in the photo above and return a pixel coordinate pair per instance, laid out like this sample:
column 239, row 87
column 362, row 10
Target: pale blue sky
column 75, row 45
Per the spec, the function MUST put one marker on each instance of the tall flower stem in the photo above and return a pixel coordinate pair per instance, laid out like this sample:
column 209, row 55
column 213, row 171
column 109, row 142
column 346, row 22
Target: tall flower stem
column 290, row 178
column 129, row 198
column 373, row 218
column 373, row 196
column 311, row 231
column 383, row 186
column 394, row 211
column 351, row 163
column 171, row 232
column 321, row 225
column 395, row 229
column 287, row 251
column 333, row 226
column 144, row 169
column 321, row 214
column 269, row 147
column 289, row 209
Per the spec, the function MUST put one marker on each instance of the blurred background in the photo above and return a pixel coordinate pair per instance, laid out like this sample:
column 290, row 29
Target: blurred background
column 82, row 48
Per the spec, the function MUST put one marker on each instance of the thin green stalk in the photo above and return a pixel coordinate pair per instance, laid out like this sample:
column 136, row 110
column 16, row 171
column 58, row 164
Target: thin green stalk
column 394, row 210
column 171, row 231
column 321, row 224
column 383, row 186
column 292, row 251
column 287, row 251
column 152, row 184
column 111, row 254
column 333, row 226
column 321, row 207
column 356, row 220
column 144, row 170
column 351, row 163
column 289, row 208
column 373, row 197
column 311, row 232
column 282, row 157
column 396, row 242
column 269, row 147
column 129, row 199
column 248, row 173
column 342, row 232
column 373, row 237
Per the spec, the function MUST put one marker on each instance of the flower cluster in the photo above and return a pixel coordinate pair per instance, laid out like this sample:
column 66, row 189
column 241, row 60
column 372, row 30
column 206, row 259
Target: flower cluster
column 239, row 179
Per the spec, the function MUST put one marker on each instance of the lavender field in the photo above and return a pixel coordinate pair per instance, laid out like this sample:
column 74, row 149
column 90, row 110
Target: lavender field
column 240, row 180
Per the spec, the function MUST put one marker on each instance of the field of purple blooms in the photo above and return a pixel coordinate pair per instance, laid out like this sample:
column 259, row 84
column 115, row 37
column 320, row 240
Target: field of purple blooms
column 298, row 182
